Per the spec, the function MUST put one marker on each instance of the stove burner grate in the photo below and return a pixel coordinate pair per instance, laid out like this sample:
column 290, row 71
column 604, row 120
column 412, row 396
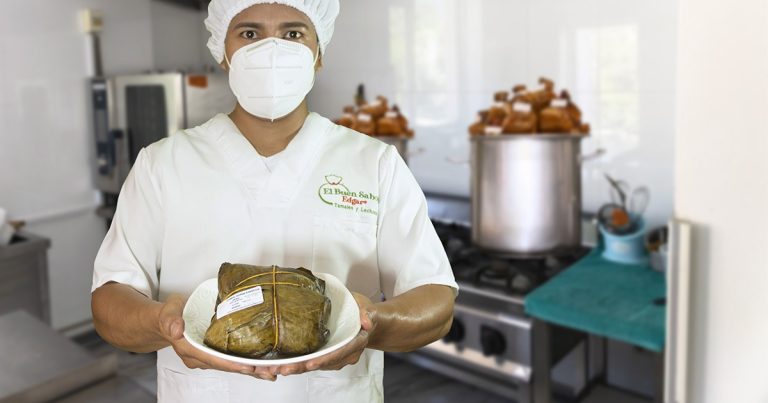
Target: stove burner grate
column 508, row 273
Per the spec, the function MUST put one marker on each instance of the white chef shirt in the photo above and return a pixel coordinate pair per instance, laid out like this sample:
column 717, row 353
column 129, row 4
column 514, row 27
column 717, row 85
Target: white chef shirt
column 333, row 201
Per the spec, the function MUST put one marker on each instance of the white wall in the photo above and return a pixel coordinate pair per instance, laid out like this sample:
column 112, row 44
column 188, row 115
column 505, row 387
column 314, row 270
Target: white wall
column 179, row 38
column 722, row 187
column 45, row 142
column 441, row 60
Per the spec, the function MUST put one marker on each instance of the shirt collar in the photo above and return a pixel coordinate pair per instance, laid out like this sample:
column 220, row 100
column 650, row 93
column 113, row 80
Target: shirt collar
column 246, row 162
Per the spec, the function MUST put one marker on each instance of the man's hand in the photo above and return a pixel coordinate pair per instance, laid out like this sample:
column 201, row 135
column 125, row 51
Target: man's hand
column 347, row 355
column 131, row 321
column 171, row 325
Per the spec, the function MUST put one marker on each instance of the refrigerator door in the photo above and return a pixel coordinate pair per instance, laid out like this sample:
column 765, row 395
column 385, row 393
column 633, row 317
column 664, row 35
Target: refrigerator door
column 678, row 313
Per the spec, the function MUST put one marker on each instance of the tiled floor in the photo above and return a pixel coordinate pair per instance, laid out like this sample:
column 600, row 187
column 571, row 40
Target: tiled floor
column 406, row 383
column 403, row 383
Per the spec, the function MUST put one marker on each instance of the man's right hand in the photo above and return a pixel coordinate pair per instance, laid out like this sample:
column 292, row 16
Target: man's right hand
column 171, row 326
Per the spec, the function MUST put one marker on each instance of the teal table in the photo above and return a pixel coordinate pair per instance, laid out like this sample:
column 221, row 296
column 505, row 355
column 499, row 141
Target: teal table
column 596, row 296
column 604, row 299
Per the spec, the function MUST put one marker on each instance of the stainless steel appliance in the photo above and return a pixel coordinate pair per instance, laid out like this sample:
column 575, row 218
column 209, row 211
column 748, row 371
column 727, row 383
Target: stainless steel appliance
column 400, row 143
column 526, row 193
column 492, row 343
column 133, row 111
column 24, row 276
column 40, row 365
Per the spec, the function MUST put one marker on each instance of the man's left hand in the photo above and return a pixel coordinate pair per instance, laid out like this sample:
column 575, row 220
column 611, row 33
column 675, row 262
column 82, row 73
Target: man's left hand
column 347, row 355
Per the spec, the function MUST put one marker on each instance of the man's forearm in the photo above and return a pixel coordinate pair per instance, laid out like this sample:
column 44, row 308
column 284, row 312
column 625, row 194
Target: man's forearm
column 126, row 318
column 413, row 319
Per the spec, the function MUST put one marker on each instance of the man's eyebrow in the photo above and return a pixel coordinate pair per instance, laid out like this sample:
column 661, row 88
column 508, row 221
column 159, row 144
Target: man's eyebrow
column 258, row 25
column 294, row 24
column 254, row 25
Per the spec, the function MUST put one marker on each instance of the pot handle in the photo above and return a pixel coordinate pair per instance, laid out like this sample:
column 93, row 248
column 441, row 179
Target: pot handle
column 416, row 152
column 593, row 155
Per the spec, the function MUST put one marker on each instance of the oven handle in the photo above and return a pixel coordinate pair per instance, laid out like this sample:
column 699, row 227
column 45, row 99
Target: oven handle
column 524, row 324
column 449, row 356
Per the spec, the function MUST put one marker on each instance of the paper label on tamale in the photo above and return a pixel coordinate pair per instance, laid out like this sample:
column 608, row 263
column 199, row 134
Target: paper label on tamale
column 493, row 130
column 522, row 107
column 239, row 301
column 559, row 103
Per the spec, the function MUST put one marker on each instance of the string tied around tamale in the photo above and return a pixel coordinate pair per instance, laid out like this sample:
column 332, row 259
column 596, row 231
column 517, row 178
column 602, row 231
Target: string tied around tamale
column 274, row 283
column 238, row 287
column 274, row 307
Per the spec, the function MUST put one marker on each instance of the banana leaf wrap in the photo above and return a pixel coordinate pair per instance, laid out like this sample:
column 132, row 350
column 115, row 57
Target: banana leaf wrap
column 291, row 321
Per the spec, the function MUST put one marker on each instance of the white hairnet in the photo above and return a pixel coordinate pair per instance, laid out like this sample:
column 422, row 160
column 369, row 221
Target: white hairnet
column 322, row 13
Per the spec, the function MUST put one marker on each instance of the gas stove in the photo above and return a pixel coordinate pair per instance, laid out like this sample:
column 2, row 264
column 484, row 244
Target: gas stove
column 491, row 341
column 508, row 274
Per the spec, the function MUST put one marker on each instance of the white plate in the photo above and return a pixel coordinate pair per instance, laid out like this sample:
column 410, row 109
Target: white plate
column 344, row 321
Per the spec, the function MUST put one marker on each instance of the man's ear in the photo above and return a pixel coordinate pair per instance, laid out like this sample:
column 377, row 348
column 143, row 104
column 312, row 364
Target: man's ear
column 319, row 64
column 224, row 66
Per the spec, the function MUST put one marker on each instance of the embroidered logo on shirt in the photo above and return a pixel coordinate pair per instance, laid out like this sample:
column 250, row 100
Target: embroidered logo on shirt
column 335, row 194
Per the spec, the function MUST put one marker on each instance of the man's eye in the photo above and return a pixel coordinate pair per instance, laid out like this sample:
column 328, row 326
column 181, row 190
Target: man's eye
column 249, row 34
column 294, row 35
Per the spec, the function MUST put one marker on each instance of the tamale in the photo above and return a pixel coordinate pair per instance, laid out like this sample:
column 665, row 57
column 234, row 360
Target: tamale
column 290, row 320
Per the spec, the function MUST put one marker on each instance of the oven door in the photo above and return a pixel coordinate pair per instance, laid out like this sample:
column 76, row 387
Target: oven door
column 491, row 346
column 149, row 108
column 495, row 344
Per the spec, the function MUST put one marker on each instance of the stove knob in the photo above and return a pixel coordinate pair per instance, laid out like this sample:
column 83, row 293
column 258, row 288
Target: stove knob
column 456, row 333
column 492, row 341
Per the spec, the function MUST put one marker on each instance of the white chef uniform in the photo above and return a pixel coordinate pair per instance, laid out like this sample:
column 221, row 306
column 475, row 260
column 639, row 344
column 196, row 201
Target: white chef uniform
column 333, row 201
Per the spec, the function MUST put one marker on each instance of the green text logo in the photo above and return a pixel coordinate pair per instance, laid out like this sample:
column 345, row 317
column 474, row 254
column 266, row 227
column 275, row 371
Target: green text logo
column 335, row 194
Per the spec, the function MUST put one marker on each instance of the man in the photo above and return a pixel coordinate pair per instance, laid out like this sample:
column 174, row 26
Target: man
column 271, row 184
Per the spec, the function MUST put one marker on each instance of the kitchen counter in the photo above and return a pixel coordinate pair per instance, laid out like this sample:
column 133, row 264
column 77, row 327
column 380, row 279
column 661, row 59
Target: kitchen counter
column 605, row 299
column 617, row 301
column 24, row 276
column 39, row 364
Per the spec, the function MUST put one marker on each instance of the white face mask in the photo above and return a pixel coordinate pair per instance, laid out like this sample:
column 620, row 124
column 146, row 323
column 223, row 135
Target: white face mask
column 271, row 77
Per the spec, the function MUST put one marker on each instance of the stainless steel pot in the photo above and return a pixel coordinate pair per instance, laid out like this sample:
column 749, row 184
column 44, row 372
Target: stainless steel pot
column 400, row 143
column 526, row 193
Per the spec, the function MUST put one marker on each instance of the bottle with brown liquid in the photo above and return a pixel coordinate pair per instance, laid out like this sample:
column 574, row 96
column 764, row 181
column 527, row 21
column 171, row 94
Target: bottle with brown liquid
column 478, row 128
column 365, row 124
column 573, row 110
column 498, row 111
column 555, row 117
column 348, row 118
column 583, row 129
column 402, row 120
column 542, row 97
column 389, row 125
column 521, row 119
column 520, row 93
column 377, row 108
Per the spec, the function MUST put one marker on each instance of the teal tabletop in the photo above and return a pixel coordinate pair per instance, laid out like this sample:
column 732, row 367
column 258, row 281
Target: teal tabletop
column 618, row 301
